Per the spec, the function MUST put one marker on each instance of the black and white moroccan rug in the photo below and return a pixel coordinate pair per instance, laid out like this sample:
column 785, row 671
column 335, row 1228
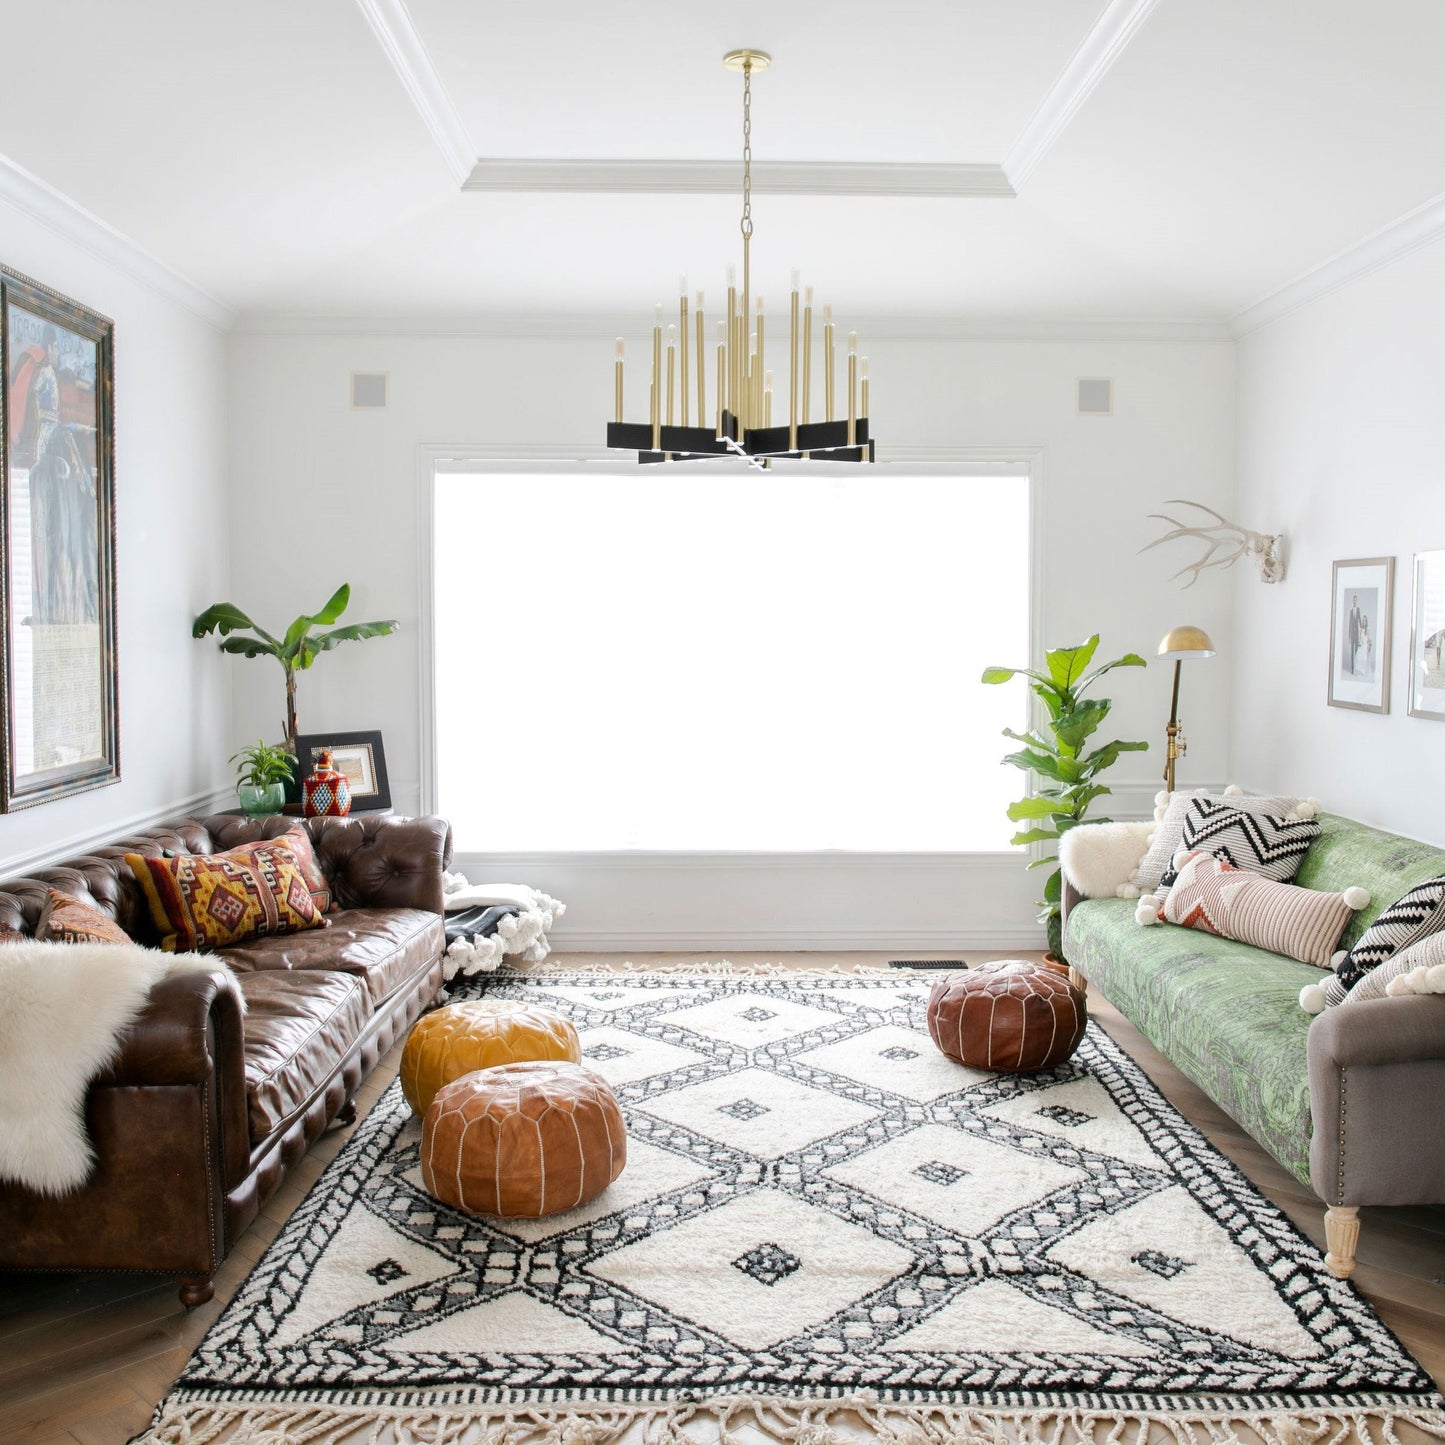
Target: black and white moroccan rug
column 823, row 1226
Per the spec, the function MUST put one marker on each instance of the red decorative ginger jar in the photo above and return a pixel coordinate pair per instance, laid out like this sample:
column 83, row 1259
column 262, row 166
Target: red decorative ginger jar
column 326, row 793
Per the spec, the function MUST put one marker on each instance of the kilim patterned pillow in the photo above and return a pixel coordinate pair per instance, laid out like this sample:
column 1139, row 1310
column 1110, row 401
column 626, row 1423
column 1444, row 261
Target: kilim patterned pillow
column 299, row 842
column 1255, row 842
column 67, row 920
column 1417, row 915
column 1169, row 835
column 1299, row 922
column 203, row 901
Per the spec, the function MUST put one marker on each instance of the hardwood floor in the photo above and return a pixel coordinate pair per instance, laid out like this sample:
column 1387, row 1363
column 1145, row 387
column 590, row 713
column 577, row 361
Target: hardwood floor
column 85, row 1358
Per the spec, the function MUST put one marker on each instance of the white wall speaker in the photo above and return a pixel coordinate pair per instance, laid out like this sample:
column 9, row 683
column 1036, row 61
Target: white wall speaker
column 368, row 390
column 1096, row 396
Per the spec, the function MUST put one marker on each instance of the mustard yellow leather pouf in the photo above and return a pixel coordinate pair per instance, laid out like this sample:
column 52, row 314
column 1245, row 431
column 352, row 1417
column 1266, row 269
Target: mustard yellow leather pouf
column 523, row 1141
column 464, row 1037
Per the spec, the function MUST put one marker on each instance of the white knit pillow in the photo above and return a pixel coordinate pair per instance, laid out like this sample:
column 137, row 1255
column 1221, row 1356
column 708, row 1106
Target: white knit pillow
column 1420, row 968
column 1171, row 809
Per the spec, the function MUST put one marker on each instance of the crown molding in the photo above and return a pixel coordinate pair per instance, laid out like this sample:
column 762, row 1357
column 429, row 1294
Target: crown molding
column 1088, row 65
column 602, row 327
column 40, row 201
column 394, row 28
column 1421, row 227
column 707, row 177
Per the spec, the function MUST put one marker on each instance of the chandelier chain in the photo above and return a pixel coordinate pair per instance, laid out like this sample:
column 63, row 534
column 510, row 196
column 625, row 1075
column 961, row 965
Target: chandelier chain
column 746, row 225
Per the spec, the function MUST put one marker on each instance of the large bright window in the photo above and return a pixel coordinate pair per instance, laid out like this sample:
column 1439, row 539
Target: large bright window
column 692, row 660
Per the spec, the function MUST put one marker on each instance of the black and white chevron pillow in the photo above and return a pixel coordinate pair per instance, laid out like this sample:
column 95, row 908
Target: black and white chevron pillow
column 1418, row 914
column 1253, row 842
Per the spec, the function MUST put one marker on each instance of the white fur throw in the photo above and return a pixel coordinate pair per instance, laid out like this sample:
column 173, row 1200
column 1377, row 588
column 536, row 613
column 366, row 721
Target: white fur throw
column 63, row 1008
column 1099, row 859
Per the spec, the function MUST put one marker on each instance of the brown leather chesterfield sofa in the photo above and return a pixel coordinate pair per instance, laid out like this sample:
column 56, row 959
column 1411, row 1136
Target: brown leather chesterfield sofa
column 205, row 1109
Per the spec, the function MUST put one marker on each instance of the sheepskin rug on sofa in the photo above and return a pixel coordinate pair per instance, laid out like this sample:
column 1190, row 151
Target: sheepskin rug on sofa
column 63, row 1009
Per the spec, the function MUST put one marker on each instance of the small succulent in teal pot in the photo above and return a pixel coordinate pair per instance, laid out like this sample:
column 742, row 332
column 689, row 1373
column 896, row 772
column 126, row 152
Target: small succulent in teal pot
column 262, row 771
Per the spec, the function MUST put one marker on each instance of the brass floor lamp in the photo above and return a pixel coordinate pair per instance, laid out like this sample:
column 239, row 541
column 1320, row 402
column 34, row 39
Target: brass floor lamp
column 1180, row 643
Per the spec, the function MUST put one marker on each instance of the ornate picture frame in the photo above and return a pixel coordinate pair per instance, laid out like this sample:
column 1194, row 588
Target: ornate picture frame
column 360, row 756
column 1362, row 601
column 59, row 680
column 1427, row 636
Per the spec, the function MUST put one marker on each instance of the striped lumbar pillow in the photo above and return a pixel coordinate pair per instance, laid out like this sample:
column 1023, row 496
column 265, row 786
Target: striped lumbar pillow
column 1301, row 923
column 1254, row 842
column 1415, row 916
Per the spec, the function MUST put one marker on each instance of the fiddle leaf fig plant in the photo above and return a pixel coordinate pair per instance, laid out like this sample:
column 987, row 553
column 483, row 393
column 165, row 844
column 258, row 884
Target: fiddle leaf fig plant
column 1060, row 757
column 298, row 647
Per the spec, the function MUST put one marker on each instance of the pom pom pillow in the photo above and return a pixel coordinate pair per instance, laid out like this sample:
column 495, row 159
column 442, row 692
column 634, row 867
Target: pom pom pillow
column 1418, row 915
column 210, row 900
column 1213, row 896
column 1255, row 842
column 1171, row 813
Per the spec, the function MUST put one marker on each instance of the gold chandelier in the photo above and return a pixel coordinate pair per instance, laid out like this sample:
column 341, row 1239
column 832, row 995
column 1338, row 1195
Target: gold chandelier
column 742, row 412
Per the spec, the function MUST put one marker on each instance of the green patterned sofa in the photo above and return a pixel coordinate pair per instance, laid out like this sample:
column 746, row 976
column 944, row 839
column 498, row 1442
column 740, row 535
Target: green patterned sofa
column 1351, row 1102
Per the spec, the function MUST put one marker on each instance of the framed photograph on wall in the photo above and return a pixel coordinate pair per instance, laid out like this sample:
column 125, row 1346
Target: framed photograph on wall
column 1362, row 598
column 360, row 757
column 1427, row 637
column 58, row 704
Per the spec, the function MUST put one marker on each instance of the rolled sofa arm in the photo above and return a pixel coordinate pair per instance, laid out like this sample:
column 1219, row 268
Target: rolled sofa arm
column 378, row 861
column 1377, row 1099
column 188, row 1020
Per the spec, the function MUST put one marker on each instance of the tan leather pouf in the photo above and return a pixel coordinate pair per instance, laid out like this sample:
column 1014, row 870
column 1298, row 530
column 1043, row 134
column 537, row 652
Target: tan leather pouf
column 523, row 1140
column 1010, row 1016
column 464, row 1037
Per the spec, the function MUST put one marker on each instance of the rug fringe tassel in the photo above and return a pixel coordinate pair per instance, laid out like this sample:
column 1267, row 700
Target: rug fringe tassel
column 832, row 1422
column 712, row 968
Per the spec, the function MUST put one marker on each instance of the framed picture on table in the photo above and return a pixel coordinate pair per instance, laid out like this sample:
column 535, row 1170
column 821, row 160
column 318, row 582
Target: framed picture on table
column 1427, row 637
column 359, row 756
column 1362, row 600
column 59, row 709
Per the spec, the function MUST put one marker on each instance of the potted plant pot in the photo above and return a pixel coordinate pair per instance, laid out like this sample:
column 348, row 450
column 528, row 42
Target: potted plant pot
column 258, row 799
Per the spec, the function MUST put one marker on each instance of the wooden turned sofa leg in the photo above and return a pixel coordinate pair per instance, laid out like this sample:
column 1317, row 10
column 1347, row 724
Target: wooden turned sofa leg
column 1342, row 1234
column 196, row 1289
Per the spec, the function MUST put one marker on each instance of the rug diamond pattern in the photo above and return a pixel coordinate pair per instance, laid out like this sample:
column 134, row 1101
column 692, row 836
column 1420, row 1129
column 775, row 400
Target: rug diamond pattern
column 901, row 1238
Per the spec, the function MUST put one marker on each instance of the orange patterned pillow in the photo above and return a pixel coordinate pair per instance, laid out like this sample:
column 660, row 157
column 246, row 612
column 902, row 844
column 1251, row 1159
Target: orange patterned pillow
column 67, row 920
column 211, row 900
column 299, row 841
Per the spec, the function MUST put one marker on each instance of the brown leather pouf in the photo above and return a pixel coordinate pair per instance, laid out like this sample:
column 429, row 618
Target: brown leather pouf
column 1010, row 1016
column 523, row 1140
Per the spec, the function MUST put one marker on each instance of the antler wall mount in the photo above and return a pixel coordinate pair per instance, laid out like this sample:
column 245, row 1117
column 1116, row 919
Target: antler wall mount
column 1225, row 543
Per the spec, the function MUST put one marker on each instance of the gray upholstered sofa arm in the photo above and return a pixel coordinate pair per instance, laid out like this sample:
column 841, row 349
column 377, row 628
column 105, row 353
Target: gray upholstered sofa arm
column 1377, row 1097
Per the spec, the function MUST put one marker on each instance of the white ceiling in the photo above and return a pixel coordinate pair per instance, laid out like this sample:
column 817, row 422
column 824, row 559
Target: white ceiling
column 1177, row 159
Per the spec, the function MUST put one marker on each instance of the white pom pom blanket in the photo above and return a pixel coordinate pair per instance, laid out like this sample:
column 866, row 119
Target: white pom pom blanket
column 522, row 934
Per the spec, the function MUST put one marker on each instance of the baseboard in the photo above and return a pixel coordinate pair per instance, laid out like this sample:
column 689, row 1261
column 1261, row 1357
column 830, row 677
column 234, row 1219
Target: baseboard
column 768, row 940
column 21, row 865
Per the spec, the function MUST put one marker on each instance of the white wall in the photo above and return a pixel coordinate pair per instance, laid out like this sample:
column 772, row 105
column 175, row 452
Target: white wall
column 347, row 481
column 172, row 551
column 1342, row 448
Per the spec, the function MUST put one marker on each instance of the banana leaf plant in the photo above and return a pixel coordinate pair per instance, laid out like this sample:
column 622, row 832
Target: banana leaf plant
column 1056, row 755
column 297, row 649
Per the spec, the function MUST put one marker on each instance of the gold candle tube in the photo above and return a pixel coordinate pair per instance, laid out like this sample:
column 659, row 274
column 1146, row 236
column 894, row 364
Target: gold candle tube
column 656, row 380
column 793, row 368
column 701, row 369
column 828, row 361
column 761, row 363
column 730, row 401
column 671, row 372
column 748, row 388
column 852, row 388
column 767, row 398
column 863, row 387
column 617, row 367
column 682, row 341
column 807, row 350
column 722, row 358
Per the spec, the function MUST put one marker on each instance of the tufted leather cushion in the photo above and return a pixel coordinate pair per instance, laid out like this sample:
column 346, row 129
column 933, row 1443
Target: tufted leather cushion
column 298, row 1028
column 523, row 1140
column 382, row 947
